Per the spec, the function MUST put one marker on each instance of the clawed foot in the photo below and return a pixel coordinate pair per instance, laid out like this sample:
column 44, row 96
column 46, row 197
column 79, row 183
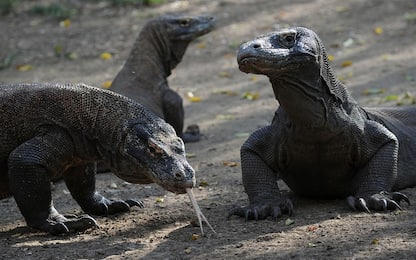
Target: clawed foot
column 261, row 210
column 60, row 224
column 379, row 202
column 103, row 206
column 191, row 134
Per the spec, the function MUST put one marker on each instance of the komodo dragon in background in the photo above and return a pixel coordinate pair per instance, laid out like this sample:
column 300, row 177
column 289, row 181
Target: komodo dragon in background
column 158, row 49
column 321, row 143
column 62, row 130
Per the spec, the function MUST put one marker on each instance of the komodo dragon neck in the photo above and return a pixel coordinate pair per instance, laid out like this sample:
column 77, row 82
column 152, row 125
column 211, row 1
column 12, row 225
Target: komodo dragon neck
column 148, row 64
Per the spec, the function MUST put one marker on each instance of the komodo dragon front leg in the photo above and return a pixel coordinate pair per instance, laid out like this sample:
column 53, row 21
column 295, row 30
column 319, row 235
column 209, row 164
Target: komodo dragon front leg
column 380, row 149
column 33, row 164
column 260, row 179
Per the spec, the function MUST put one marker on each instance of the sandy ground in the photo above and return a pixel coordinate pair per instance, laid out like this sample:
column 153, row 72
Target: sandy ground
column 375, row 38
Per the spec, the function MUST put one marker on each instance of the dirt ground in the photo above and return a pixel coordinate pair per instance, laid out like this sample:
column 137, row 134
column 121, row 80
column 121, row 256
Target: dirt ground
column 374, row 52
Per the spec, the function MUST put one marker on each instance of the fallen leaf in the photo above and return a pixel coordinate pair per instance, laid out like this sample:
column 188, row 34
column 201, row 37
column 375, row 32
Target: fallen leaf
column 375, row 241
column 230, row 164
column 106, row 56
column 72, row 55
column 225, row 117
column 253, row 78
column 191, row 97
column 203, row 183
column 289, row 222
column 195, row 237
column 330, row 58
column 242, row 134
column 187, row 250
column 378, row 30
column 201, row 45
column 228, row 92
column 348, row 42
column 190, row 155
column 346, row 63
column 65, row 23
column 159, row 200
column 312, row 228
column 107, row 84
column 224, row 74
column 372, row 91
column 251, row 96
column 392, row 98
column 24, row 67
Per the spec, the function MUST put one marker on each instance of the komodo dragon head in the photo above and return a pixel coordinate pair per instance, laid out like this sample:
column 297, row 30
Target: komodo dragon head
column 296, row 63
column 155, row 151
column 281, row 52
column 173, row 33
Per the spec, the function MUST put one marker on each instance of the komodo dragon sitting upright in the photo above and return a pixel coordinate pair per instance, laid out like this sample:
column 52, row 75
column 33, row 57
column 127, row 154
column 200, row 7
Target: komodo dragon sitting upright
column 321, row 143
column 62, row 130
column 158, row 49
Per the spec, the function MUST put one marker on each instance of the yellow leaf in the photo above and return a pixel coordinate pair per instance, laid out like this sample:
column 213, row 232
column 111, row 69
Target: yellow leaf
column 375, row 241
column 330, row 58
column 225, row 117
column 253, row 78
column 251, row 96
column 346, row 63
column 24, row 67
column 194, row 237
column 159, row 200
column 224, row 74
column 65, row 23
column 203, row 183
column 378, row 30
column 106, row 56
column 230, row 164
column 107, row 84
column 191, row 97
column 201, row 45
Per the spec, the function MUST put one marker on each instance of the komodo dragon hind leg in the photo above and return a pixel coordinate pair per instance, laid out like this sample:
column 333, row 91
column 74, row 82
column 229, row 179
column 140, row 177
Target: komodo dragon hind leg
column 30, row 167
column 81, row 183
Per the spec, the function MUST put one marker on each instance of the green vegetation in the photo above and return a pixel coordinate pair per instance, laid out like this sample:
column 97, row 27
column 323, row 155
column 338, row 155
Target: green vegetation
column 6, row 6
column 55, row 10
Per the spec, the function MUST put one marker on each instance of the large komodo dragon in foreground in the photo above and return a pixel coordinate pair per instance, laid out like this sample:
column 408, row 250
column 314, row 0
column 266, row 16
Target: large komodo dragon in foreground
column 158, row 49
column 321, row 143
column 57, row 130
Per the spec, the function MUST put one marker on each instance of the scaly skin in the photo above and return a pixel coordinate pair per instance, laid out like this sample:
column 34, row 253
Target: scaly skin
column 321, row 143
column 51, row 131
column 158, row 49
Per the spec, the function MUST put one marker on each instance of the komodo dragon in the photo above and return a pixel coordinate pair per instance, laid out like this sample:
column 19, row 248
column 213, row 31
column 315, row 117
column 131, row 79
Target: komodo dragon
column 321, row 143
column 158, row 49
column 62, row 130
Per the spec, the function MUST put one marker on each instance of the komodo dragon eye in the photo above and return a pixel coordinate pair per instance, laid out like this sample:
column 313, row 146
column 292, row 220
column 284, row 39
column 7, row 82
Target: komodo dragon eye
column 153, row 148
column 288, row 39
column 184, row 22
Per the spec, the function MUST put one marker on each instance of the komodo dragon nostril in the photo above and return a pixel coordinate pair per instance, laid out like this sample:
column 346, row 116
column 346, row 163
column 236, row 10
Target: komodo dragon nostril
column 256, row 46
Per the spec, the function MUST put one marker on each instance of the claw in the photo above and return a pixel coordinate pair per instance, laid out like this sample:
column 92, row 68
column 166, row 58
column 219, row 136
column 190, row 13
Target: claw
column 395, row 204
column 363, row 205
column 398, row 197
column 256, row 214
column 384, row 201
column 137, row 203
column 247, row 213
column 277, row 212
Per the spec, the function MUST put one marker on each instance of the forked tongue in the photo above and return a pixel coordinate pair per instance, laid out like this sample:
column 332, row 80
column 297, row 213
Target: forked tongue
column 198, row 211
